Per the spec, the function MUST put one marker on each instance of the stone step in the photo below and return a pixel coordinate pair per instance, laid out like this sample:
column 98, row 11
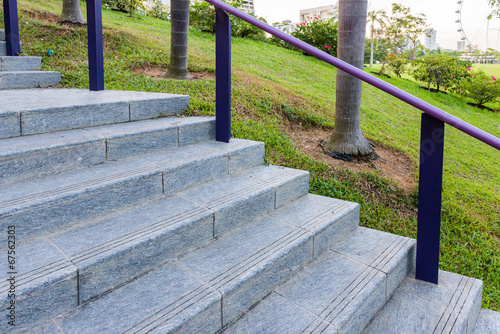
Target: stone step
column 27, row 157
column 339, row 292
column 36, row 111
column 112, row 251
column 28, row 79
column 420, row 307
column 488, row 322
column 20, row 63
column 216, row 281
column 3, row 45
column 41, row 206
column 2, row 35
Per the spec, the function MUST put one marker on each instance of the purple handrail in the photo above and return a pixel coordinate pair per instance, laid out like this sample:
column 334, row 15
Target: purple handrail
column 368, row 78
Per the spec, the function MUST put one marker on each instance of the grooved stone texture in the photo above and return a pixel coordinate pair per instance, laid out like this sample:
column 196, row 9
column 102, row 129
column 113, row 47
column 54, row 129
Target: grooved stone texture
column 173, row 302
column 420, row 307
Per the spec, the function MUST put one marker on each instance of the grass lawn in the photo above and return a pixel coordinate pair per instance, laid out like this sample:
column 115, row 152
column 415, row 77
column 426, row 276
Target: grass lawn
column 269, row 83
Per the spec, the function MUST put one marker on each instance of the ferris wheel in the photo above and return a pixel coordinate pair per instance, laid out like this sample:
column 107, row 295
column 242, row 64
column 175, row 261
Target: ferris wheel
column 460, row 25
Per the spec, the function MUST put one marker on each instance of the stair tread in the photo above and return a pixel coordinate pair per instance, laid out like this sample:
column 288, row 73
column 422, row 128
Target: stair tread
column 50, row 153
column 50, row 110
column 421, row 307
column 339, row 293
column 17, row 63
column 13, row 80
column 173, row 295
column 59, row 185
column 488, row 322
column 46, row 100
column 233, row 271
column 37, row 199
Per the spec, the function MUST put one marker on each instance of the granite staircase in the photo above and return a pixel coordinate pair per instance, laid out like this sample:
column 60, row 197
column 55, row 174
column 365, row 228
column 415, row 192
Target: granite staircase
column 23, row 72
column 127, row 222
column 130, row 219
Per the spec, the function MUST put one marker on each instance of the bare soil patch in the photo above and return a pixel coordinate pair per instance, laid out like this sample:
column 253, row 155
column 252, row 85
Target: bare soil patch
column 45, row 17
column 392, row 164
column 159, row 71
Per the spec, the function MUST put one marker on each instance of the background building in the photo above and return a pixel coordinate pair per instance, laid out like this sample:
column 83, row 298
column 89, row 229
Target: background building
column 461, row 46
column 248, row 7
column 324, row 12
column 430, row 39
column 286, row 26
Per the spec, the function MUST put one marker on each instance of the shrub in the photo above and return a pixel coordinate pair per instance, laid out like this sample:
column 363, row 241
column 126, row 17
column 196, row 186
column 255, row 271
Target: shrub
column 481, row 88
column 126, row 6
column 397, row 64
column 441, row 71
column 202, row 17
column 321, row 34
column 158, row 10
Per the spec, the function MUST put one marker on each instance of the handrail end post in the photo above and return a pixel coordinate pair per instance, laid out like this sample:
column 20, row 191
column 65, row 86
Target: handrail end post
column 11, row 20
column 223, row 77
column 95, row 45
column 429, row 199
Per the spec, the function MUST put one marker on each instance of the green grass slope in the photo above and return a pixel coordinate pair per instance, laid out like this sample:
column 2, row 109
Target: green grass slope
column 270, row 83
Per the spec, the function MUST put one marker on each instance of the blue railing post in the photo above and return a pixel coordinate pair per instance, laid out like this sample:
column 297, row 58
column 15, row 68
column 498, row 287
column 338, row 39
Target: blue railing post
column 222, row 77
column 429, row 198
column 11, row 27
column 95, row 45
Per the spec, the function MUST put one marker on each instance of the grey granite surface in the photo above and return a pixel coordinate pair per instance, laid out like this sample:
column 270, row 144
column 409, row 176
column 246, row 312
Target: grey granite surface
column 41, row 293
column 10, row 124
column 235, row 200
column 28, row 79
column 420, row 307
column 47, row 110
column 268, row 252
column 43, row 205
column 20, row 63
column 392, row 254
column 329, row 219
column 117, row 249
column 343, row 292
column 488, row 322
column 28, row 157
column 166, row 300
column 289, row 183
column 277, row 315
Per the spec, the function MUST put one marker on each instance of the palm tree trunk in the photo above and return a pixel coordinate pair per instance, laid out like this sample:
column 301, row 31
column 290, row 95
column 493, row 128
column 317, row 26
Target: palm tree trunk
column 178, row 68
column 371, row 49
column 71, row 12
column 347, row 137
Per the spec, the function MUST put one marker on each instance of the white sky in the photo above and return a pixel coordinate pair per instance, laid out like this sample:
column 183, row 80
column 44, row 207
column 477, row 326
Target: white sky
column 440, row 14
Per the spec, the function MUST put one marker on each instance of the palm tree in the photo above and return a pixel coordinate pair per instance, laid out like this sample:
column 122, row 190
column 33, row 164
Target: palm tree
column 71, row 12
column 380, row 17
column 179, row 10
column 347, row 137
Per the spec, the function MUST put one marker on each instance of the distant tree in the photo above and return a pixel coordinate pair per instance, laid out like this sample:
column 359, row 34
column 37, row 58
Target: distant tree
column 71, row 12
column 375, row 17
column 178, row 68
column 347, row 137
column 404, row 25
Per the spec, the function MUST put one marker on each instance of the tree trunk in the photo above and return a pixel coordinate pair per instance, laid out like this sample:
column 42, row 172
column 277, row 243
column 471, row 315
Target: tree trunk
column 347, row 137
column 371, row 49
column 71, row 12
column 179, row 40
